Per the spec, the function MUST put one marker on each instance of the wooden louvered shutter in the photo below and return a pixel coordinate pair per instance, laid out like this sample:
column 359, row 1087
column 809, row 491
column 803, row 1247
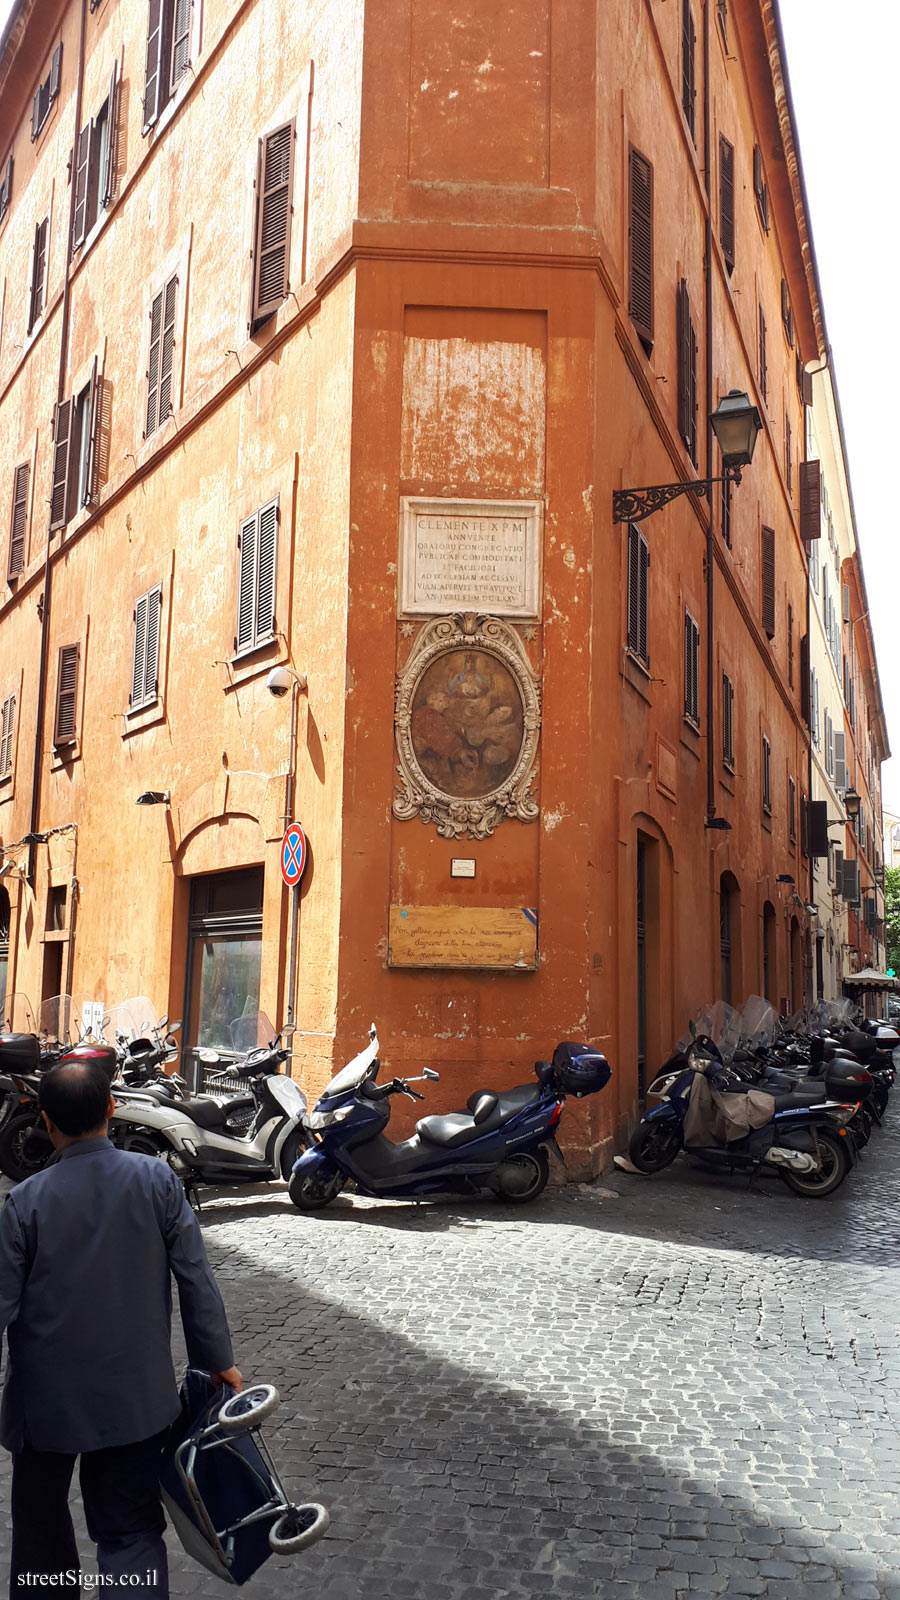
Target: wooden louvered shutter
column 156, row 311
column 7, row 722
column 759, row 187
column 139, row 661
column 688, row 55
column 787, row 315
column 790, row 645
column 274, row 189
column 181, row 41
column 640, row 307
column 726, row 201
column 763, row 361
column 6, row 188
column 643, row 639
column 38, row 267
column 155, row 76
column 168, row 349
column 817, row 828
column 16, row 560
column 768, row 581
column 55, row 72
column 682, row 334
column 66, row 688
column 108, row 175
column 89, row 445
column 804, row 383
column 151, row 666
column 810, row 500
column 59, row 490
column 36, row 113
column 267, row 550
column 840, row 761
column 247, row 541
column 82, row 162
column 727, row 720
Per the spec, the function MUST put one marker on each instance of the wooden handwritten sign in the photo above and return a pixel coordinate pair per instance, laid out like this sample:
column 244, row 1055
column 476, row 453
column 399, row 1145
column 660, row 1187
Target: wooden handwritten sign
column 463, row 936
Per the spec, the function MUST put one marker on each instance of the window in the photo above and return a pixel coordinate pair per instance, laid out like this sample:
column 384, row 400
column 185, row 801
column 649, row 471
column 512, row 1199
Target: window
column 257, row 543
column 168, row 54
column 6, row 188
column 727, row 721
column 759, row 188
column 722, row 13
column 814, row 707
column 640, row 247
column 162, row 355
column 787, row 315
column 7, row 724
column 691, row 670
column 688, row 55
column 804, row 381
column 66, row 691
column 16, row 560
column 274, row 193
column 768, row 582
column 726, row 202
column 75, row 453
column 726, row 511
column 790, row 646
column 687, row 372
column 224, row 962
column 829, row 745
column 638, row 567
column 38, row 272
column 145, row 660
column 792, row 811
column 766, row 775
column 763, row 360
column 788, row 454
column 94, row 167
column 46, row 93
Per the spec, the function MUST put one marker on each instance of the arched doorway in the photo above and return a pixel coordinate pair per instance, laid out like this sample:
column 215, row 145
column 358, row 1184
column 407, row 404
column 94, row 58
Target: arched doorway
column 768, row 949
column 729, row 936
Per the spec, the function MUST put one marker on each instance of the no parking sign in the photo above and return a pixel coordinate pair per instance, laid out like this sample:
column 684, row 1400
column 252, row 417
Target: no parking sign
column 294, row 851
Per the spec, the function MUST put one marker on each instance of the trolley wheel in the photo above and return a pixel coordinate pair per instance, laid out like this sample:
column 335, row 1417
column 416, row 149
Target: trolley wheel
column 298, row 1527
column 249, row 1408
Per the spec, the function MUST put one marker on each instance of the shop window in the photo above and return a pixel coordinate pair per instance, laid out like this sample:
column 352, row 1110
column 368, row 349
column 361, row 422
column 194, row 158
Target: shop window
column 224, row 958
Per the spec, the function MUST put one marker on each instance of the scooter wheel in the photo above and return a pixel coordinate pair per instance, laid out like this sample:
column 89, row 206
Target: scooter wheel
column 24, row 1146
column 248, row 1409
column 831, row 1174
column 523, row 1176
column 311, row 1191
column 653, row 1146
column 298, row 1527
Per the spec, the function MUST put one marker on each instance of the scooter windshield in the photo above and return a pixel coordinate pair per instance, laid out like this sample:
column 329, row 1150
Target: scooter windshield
column 353, row 1073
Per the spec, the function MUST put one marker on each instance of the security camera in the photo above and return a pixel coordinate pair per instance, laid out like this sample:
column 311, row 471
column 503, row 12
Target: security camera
column 280, row 679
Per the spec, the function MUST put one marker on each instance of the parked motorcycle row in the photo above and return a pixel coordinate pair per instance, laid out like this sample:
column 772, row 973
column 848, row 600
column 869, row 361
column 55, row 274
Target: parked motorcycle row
column 745, row 1092
column 252, row 1124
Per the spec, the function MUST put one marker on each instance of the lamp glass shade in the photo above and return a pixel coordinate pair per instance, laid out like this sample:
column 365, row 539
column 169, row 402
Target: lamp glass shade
column 852, row 803
column 736, row 423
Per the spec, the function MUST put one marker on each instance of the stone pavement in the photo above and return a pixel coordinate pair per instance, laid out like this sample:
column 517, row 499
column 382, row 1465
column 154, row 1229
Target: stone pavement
column 686, row 1389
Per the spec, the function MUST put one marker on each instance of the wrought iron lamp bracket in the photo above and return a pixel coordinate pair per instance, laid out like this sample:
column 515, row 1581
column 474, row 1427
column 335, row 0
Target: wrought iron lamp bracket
column 633, row 505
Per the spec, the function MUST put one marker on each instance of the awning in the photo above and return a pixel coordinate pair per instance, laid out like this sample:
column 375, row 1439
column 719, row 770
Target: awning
column 870, row 979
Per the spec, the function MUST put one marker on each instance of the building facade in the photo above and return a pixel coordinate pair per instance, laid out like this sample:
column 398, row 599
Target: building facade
column 337, row 366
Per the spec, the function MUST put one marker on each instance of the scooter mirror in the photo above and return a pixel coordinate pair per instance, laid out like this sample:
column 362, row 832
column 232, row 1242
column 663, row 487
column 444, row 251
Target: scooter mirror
column 208, row 1057
column 174, row 1026
column 431, row 1075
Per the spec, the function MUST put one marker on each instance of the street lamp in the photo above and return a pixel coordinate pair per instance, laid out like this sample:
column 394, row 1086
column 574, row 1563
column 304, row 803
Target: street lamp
column 735, row 423
column 852, row 803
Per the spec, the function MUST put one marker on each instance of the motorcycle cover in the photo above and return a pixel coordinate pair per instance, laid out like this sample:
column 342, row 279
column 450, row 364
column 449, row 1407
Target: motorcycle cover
column 716, row 1117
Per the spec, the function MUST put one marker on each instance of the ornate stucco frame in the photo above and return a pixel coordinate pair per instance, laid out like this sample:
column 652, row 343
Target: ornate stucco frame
column 418, row 796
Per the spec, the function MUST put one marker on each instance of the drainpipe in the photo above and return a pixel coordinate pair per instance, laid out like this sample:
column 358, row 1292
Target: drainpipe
column 60, row 389
column 710, row 549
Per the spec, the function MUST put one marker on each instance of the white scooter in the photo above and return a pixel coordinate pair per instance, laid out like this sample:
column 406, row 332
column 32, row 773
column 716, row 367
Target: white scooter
column 251, row 1136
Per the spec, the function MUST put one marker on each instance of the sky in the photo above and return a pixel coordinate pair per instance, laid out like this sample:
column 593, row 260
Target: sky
column 843, row 82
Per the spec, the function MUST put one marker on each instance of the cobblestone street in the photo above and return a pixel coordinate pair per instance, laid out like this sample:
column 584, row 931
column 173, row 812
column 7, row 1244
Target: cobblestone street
column 683, row 1389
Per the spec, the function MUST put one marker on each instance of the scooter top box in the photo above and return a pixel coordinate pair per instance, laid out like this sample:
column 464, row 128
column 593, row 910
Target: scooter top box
column 19, row 1052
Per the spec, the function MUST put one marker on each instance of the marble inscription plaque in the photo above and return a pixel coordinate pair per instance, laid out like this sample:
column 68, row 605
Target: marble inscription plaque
column 470, row 555
column 463, row 936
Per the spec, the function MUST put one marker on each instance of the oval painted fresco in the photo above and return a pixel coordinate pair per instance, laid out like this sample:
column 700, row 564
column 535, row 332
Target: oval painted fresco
column 467, row 723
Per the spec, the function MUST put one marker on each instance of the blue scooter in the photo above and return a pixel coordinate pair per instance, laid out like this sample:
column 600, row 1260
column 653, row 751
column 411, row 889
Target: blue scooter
column 806, row 1141
column 499, row 1143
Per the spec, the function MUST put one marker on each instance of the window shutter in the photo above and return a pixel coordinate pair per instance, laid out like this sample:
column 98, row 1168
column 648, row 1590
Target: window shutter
column 274, row 188
column 763, row 363
column 36, row 114
column 108, row 176
column 768, row 581
column 38, row 266
column 93, row 423
column 247, row 540
column 805, row 383
column 792, row 811
column 139, row 662
column 267, row 547
column 727, row 720
column 790, row 646
column 151, row 669
column 845, row 602
column 804, row 677
column 640, row 306
column 7, row 722
column 788, row 454
column 688, row 54
column 66, row 686
column 156, row 311
column 16, row 561
column 687, row 372
column 787, row 315
column 55, row 72
column 726, row 201
column 168, row 350
column 6, row 189
column 633, row 593
column 154, row 76
column 59, row 491
column 840, row 761
column 810, row 500
column 818, row 828
column 691, row 668
column 850, row 885
column 82, row 162
column 766, row 774
column 181, row 42
column 759, row 187
column 643, row 640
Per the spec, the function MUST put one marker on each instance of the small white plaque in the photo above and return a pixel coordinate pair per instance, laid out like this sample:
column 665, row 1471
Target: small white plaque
column 470, row 555
column 461, row 868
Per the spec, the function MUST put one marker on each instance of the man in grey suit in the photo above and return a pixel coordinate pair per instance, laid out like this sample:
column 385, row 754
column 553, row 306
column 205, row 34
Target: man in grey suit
column 88, row 1250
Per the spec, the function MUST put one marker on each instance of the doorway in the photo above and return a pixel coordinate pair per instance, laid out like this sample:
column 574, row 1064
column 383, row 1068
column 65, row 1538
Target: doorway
column 224, row 961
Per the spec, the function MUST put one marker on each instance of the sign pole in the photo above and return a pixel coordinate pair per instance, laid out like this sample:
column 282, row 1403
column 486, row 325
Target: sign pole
column 292, row 966
column 294, row 853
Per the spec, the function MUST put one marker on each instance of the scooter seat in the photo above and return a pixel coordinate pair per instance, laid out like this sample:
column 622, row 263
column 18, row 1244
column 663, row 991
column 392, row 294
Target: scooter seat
column 458, row 1127
column 215, row 1113
column 799, row 1099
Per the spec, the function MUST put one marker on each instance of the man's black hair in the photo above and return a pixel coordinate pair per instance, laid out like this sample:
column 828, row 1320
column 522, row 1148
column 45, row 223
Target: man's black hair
column 75, row 1097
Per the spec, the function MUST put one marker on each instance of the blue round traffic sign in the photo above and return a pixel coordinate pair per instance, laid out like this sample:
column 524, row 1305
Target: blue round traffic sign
column 294, row 851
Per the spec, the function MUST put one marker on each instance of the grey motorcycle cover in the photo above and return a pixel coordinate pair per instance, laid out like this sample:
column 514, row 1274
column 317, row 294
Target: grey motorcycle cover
column 717, row 1117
